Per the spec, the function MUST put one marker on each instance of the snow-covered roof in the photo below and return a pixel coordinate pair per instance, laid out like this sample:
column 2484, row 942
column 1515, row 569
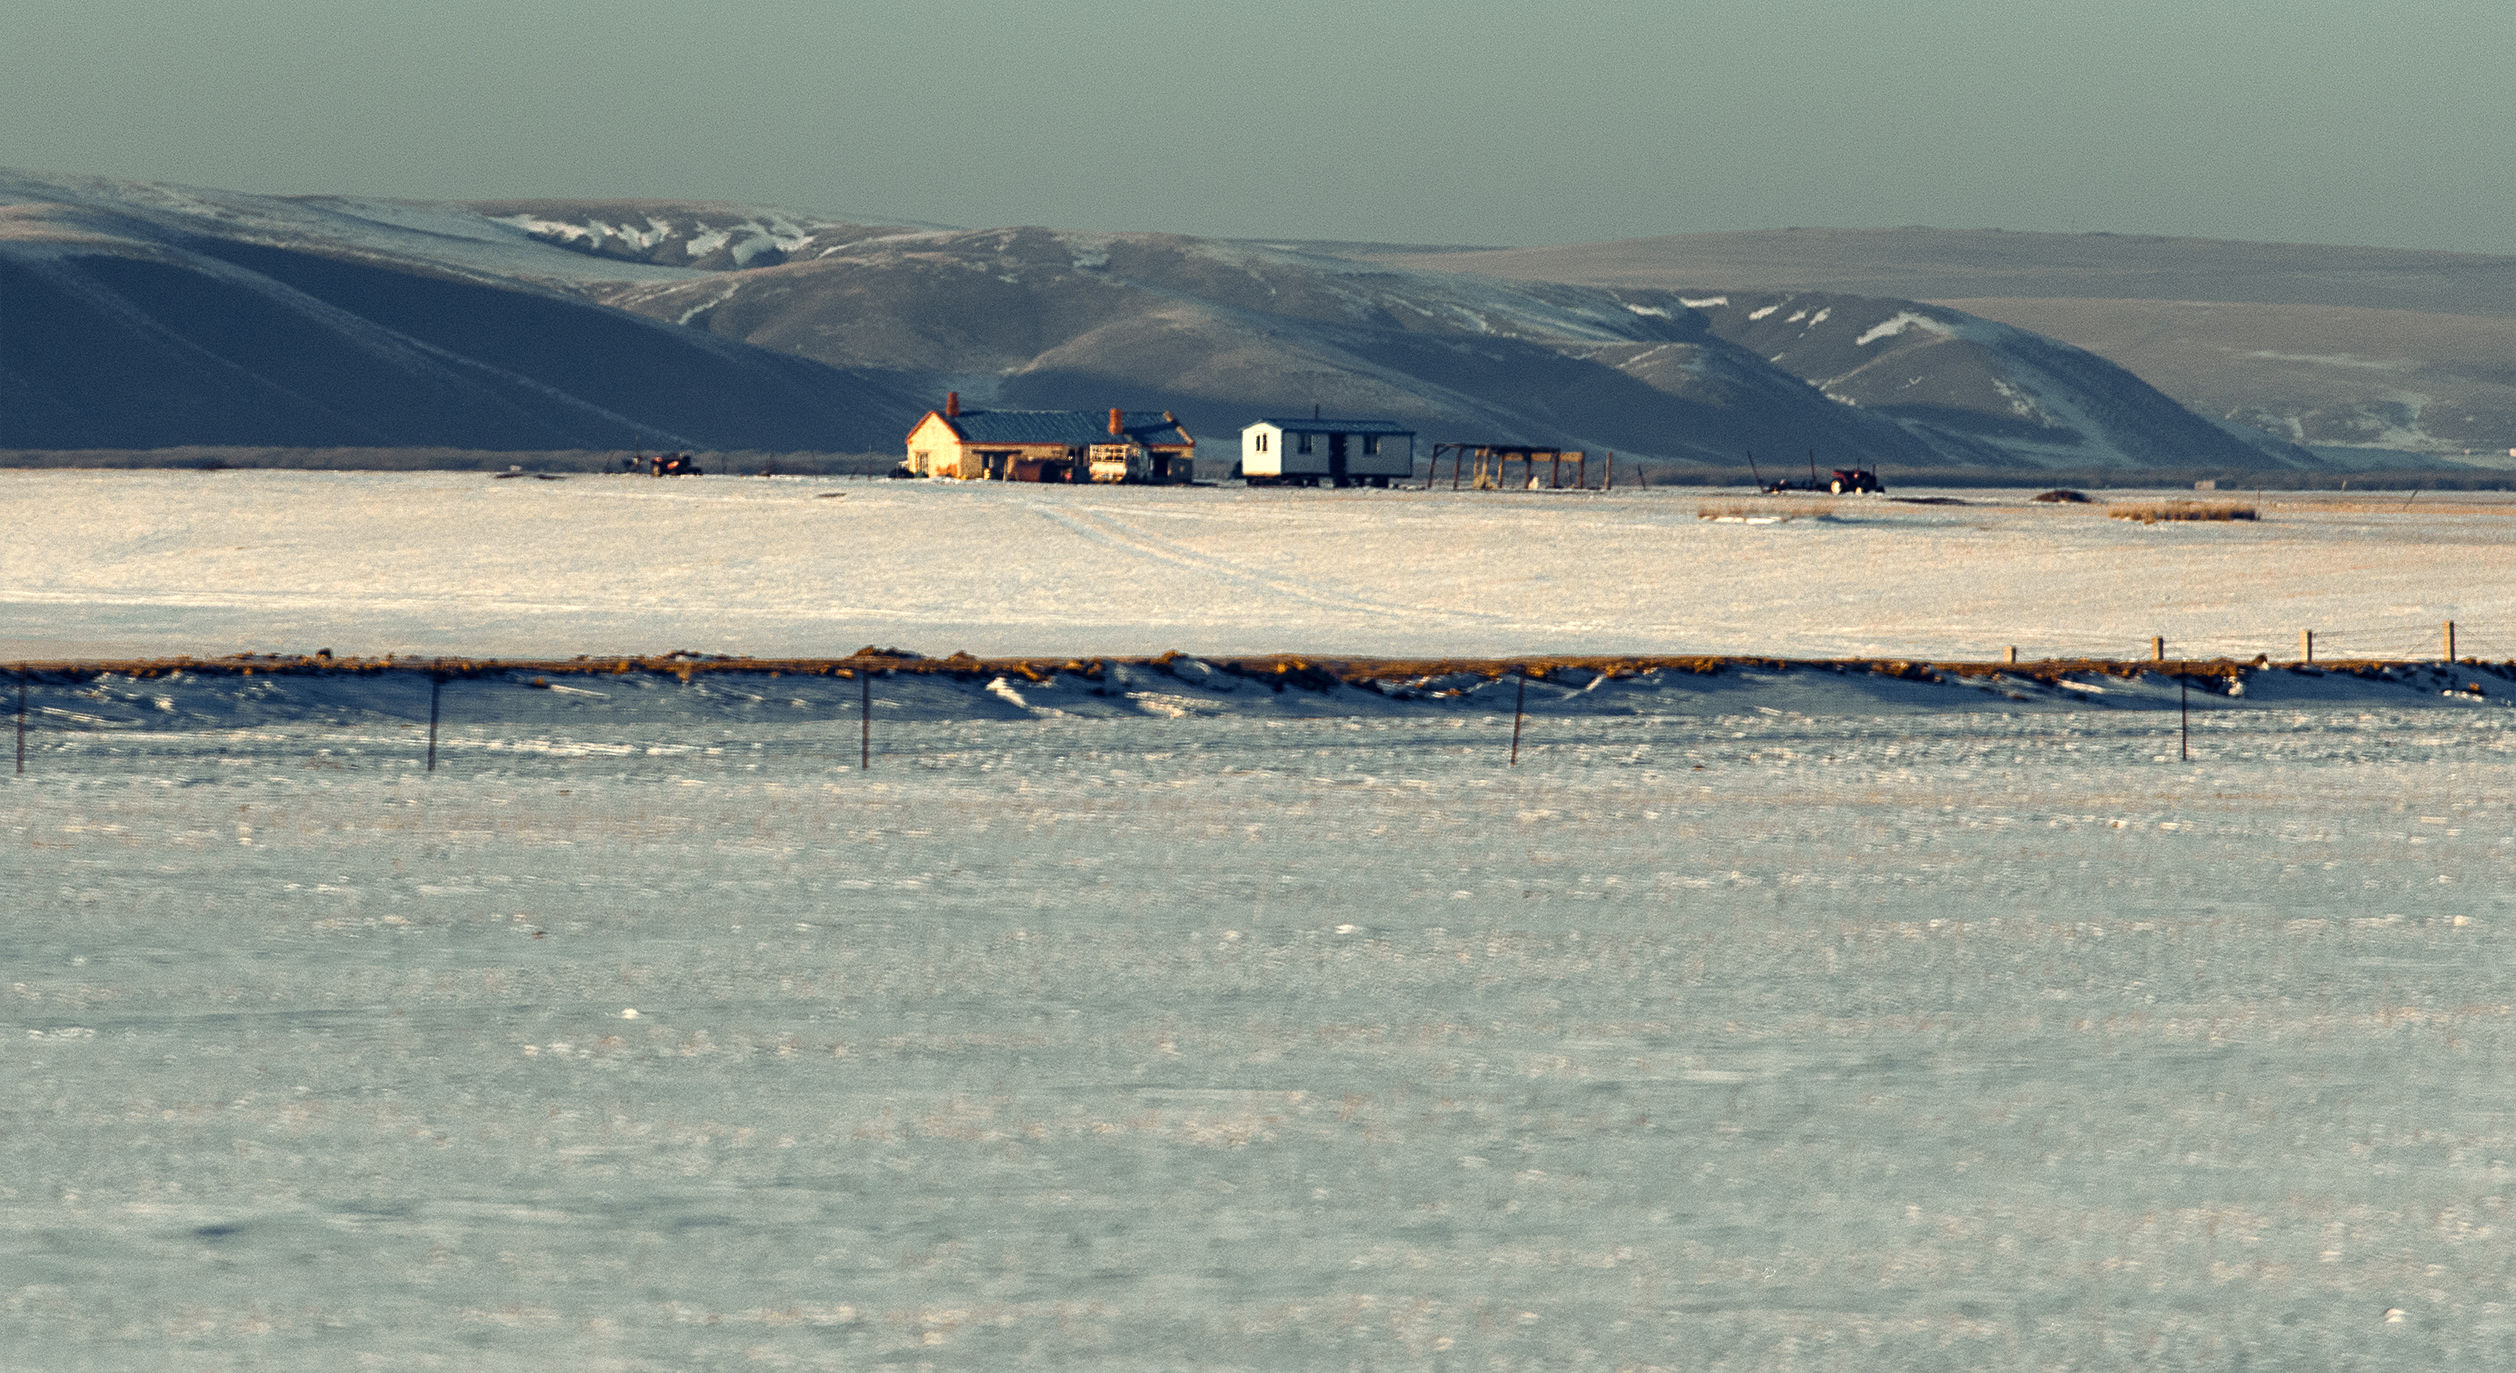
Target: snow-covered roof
column 1075, row 428
column 1307, row 425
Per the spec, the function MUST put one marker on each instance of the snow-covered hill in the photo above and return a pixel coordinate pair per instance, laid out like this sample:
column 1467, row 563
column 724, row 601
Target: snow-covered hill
column 2359, row 348
column 1947, row 373
column 1220, row 330
column 146, row 315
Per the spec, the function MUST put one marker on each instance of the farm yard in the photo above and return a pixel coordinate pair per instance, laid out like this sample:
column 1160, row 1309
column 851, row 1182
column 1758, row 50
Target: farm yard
column 115, row 564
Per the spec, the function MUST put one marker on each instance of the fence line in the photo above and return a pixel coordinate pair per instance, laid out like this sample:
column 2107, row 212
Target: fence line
column 774, row 735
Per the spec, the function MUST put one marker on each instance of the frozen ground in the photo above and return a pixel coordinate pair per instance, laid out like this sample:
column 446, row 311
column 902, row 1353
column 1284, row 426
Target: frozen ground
column 111, row 563
column 1772, row 1021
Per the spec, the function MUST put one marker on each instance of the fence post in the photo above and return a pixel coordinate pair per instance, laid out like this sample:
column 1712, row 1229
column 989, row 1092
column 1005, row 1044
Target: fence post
column 2306, row 645
column 2009, row 655
column 2450, row 641
column 21, row 719
column 865, row 723
column 1519, row 706
column 1610, row 483
column 2184, row 712
column 2157, row 649
column 436, row 683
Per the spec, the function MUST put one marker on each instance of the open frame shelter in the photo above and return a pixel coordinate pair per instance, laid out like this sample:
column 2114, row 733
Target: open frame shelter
column 1492, row 460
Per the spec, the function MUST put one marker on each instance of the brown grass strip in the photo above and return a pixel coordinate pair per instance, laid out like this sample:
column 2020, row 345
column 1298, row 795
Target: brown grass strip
column 1291, row 669
column 2182, row 511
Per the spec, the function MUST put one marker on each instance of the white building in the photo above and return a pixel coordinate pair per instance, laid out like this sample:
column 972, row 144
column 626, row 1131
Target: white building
column 1302, row 452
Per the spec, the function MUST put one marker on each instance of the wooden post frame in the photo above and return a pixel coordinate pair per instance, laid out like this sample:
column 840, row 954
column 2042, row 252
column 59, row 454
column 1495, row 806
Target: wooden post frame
column 1519, row 709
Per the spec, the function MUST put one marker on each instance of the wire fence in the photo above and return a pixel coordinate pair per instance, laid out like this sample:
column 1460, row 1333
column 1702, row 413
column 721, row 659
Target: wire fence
column 2369, row 642
column 516, row 721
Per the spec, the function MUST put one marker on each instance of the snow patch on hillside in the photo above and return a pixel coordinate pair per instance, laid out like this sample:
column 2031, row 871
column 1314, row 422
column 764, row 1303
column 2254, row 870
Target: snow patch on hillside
column 1898, row 323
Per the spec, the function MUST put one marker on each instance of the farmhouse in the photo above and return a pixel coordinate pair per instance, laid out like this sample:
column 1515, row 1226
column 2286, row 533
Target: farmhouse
column 1300, row 452
column 1050, row 445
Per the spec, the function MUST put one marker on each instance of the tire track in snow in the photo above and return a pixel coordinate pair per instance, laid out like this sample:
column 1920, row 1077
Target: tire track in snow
column 1108, row 529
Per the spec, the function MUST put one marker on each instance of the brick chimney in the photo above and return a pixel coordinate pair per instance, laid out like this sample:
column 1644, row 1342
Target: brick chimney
column 1113, row 421
column 952, row 403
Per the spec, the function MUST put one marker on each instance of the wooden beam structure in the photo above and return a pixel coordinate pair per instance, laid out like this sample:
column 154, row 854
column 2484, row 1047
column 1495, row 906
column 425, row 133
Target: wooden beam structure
column 1493, row 466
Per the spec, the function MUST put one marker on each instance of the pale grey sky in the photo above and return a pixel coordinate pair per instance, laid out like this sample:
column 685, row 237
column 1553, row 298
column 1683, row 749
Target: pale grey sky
column 1473, row 121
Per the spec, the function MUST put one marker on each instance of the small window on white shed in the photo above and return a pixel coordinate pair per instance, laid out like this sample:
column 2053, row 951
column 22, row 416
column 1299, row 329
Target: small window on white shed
column 1262, row 443
column 1301, row 443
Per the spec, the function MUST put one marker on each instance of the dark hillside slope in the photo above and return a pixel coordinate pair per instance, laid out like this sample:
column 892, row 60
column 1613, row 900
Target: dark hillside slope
column 127, row 345
column 1955, row 374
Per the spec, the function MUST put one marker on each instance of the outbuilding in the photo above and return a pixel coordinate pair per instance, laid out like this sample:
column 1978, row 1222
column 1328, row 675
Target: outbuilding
column 1342, row 452
column 1050, row 445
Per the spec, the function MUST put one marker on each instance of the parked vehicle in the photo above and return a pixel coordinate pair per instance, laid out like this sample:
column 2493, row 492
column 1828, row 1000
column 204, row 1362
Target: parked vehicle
column 1844, row 481
column 665, row 465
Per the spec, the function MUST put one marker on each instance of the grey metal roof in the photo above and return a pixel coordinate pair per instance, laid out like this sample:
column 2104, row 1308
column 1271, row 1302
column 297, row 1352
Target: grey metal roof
column 1306, row 425
column 1074, row 428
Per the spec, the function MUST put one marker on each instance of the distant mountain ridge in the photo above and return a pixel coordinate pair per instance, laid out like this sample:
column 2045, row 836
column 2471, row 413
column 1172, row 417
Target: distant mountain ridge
column 1931, row 264
column 148, row 315
column 1219, row 329
column 2372, row 348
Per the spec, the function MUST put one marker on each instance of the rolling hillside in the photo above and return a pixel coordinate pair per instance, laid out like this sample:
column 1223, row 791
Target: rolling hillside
column 1219, row 330
column 2375, row 348
column 147, row 316
column 136, row 319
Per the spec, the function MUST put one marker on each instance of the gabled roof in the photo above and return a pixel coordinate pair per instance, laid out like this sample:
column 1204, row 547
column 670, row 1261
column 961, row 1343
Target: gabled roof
column 1306, row 425
column 1151, row 428
column 1074, row 428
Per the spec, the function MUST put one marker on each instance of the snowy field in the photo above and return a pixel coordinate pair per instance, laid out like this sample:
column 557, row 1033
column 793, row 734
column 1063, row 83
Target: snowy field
column 1775, row 1020
column 121, row 563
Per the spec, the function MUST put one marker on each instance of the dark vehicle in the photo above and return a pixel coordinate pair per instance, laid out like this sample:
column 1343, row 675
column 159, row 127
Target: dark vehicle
column 1846, row 481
